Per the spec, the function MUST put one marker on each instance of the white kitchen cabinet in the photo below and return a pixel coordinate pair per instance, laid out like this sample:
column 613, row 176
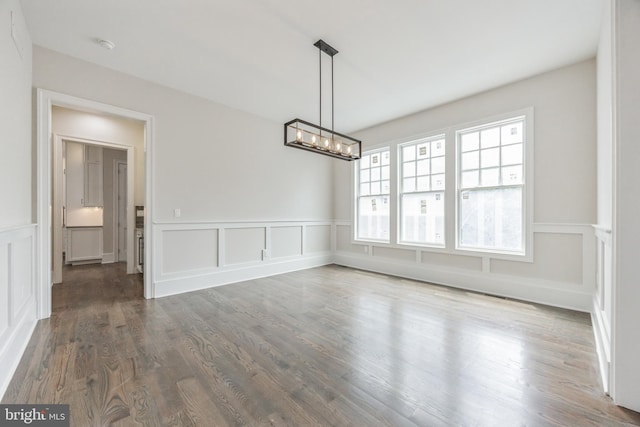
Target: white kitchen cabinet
column 92, row 176
column 84, row 245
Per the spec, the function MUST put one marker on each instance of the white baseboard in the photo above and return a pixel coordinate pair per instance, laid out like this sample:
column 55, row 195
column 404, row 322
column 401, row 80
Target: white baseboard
column 108, row 258
column 564, row 295
column 224, row 276
column 12, row 350
column 603, row 344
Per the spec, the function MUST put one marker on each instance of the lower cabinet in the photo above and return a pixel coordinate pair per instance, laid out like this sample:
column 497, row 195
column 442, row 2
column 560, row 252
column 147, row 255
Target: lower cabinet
column 84, row 245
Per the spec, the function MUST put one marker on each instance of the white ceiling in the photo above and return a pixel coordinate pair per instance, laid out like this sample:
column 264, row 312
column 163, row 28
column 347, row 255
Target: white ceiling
column 396, row 57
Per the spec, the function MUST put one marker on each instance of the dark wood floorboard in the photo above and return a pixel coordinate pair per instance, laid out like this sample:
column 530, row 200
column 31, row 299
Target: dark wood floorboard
column 329, row 346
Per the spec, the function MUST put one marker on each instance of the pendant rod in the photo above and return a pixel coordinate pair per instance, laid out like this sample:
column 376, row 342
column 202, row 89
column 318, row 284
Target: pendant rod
column 331, row 94
column 320, row 64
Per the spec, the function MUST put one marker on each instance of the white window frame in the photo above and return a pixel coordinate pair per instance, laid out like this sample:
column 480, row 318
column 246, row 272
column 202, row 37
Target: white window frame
column 357, row 196
column 401, row 191
column 526, row 252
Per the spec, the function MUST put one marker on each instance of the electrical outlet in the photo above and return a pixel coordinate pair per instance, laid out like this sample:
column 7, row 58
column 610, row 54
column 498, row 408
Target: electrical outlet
column 176, row 213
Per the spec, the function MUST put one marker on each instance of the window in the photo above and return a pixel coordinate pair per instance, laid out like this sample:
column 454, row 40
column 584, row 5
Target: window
column 373, row 196
column 491, row 186
column 422, row 185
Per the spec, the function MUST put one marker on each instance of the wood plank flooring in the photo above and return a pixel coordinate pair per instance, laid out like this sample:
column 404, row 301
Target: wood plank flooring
column 320, row 347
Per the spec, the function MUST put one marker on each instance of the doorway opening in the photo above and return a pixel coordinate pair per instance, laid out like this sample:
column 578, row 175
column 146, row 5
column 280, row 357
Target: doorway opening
column 62, row 120
column 90, row 197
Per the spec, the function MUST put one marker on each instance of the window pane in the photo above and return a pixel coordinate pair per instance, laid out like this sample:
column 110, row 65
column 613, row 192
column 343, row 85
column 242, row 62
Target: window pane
column 490, row 137
column 512, row 154
column 470, row 141
column 409, row 184
column 437, row 182
column 437, row 148
column 423, row 150
column 385, row 172
column 423, row 183
column 373, row 218
column 470, row 179
column 373, row 201
column 423, row 218
column 385, row 158
column 409, row 169
column 471, row 160
column 488, row 177
column 490, row 158
column 491, row 219
column 408, row 153
column 365, row 162
column 512, row 175
column 437, row 165
column 423, row 167
column 375, row 174
column 512, row 133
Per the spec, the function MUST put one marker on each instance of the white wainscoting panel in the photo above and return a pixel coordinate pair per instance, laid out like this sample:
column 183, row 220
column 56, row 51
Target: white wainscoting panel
column 17, row 297
column 185, row 250
column 562, row 273
column 244, row 245
column 286, row 242
column 202, row 255
column 601, row 310
column 317, row 239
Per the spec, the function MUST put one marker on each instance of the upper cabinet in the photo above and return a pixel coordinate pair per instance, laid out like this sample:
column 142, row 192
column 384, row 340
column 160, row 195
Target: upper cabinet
column 92, row 176
column 83, row 185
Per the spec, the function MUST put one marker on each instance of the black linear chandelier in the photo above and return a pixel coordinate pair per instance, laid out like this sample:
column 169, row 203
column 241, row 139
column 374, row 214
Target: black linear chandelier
column 307, row 136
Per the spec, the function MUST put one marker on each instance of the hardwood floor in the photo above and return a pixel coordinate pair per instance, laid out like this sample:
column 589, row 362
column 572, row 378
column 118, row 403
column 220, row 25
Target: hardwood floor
column 326, row 346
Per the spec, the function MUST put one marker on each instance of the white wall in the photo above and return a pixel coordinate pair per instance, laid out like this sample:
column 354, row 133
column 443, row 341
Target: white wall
column 564, row 103
column 211, row 162
column 17, row 233
column 225, row 170
column 15, row 118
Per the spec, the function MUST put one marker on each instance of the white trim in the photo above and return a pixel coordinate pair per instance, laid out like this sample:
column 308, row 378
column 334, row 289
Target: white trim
column 602, row 344
column 45, row 100
column 108, row 258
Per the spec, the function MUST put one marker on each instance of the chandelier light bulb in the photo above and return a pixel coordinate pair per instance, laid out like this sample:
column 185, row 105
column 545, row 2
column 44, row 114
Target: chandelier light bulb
column 326, row 142
column 313, row 139
column 299, row 135
column 337, row 145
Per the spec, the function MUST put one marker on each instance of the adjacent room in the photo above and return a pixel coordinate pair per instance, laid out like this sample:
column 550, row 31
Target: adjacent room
column 340, row 213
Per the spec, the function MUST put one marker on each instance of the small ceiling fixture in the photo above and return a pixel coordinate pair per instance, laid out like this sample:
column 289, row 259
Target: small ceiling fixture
column 107, row 44
column 308, row 136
